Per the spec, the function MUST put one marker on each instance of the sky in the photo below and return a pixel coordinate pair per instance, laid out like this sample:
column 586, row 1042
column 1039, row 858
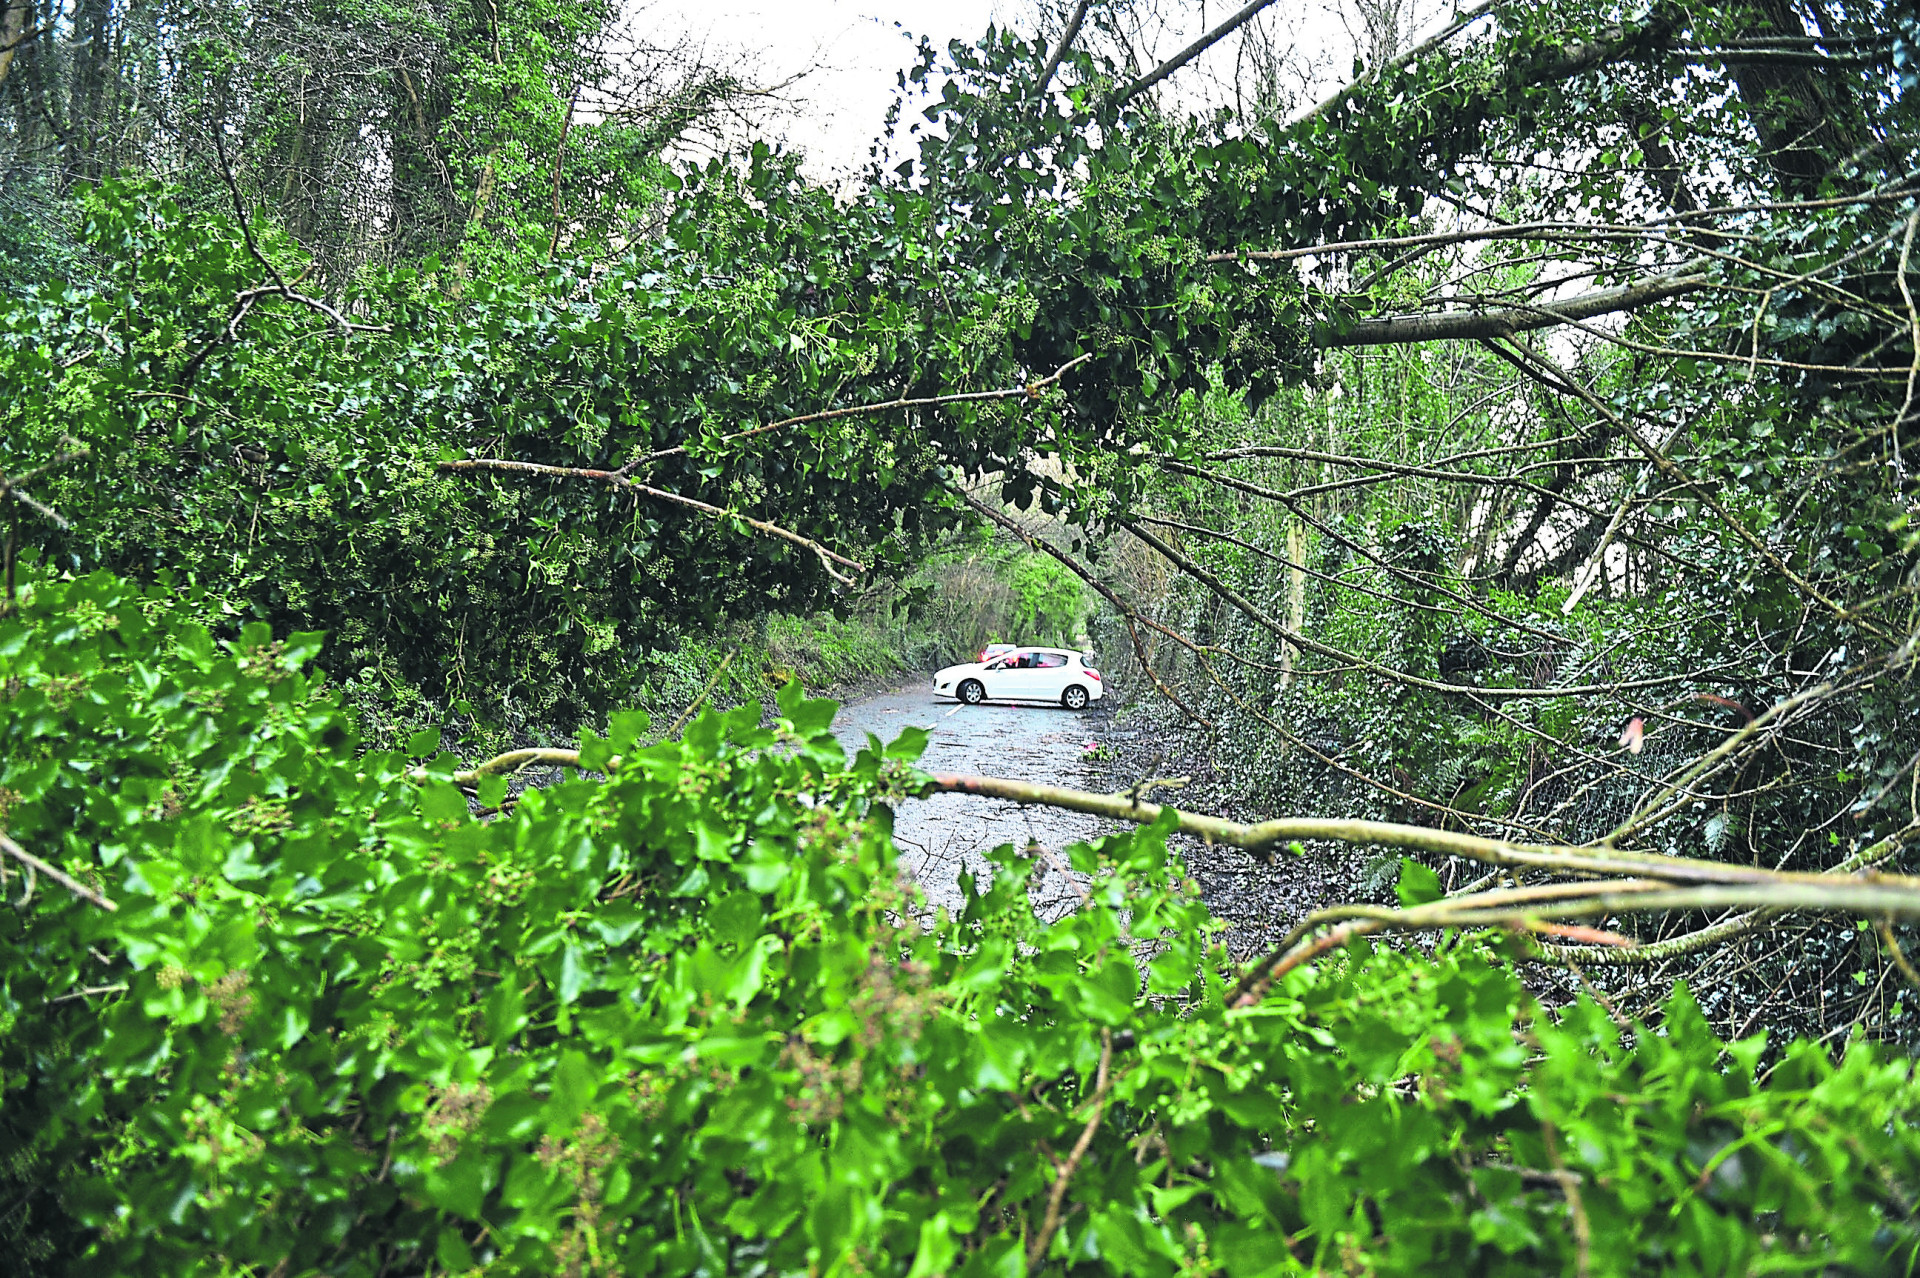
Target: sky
column 849, row 50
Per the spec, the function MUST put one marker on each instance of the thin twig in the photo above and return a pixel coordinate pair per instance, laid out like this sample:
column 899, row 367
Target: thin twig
column 1570, row 1185
column 91, row 990
column 705, row 692
column 1192, row 51
column 1668, row 467
column 1899, row 955
column 1254, row 614
column 1779, row 710
column 58, row 875
column 244, row 300
column 1455, row 25
column 1103, row 1081
column 1913, row 329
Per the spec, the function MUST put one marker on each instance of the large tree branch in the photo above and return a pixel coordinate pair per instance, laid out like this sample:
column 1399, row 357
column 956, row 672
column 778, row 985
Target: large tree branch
column 1056, row 1197
column 1192, row 51
column 1660, row 872
column 1640, row 882
column 1060, row 51
column 1487, row 325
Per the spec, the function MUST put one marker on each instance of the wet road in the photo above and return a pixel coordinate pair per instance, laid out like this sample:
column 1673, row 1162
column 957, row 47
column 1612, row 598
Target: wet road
column 941, row 835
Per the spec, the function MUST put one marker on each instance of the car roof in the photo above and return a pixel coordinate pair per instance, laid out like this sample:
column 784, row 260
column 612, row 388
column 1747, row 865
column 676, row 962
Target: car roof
column 1065, row 652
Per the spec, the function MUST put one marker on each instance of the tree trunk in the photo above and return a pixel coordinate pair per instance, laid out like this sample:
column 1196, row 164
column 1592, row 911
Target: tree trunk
column 13, row 32
column 1808, row 121
column 1296, row 595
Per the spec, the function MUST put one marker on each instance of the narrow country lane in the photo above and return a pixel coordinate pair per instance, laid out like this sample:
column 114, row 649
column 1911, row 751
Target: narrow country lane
column 941, row 835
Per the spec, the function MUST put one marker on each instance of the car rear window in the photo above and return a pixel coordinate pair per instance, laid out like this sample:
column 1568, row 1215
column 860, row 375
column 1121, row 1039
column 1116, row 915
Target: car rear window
column 1049, row 660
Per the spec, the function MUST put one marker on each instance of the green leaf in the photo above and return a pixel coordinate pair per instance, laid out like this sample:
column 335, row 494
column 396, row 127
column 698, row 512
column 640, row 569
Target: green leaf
column 575, row 974
column 1418, row 884
column 625, row 727
column 909, row 745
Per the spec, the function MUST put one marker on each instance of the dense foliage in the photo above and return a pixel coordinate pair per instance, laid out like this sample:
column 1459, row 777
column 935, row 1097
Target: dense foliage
column 1519, row 443
column 688, row 1017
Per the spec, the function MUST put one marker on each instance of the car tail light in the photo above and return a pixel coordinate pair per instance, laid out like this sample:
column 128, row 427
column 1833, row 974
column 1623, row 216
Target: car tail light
column 1093, row 674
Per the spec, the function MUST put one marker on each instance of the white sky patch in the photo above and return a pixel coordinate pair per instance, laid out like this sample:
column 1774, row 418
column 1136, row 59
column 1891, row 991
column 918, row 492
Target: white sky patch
column 847, row 54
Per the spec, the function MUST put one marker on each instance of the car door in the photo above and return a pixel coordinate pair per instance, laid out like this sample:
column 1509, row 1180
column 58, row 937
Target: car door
column 1012, row 678
column 1000, row 675
column 1051, row 675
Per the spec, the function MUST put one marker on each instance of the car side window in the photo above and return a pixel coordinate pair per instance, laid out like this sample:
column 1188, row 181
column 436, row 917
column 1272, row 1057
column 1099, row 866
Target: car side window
column 1050, row 660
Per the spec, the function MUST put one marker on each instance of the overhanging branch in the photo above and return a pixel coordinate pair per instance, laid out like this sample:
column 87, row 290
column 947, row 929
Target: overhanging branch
column 1265, row 836
column 827, row 557
column 1029, row 391
column 1505, row 322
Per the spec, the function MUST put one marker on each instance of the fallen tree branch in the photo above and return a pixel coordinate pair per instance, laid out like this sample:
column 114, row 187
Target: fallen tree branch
column 1879, row 897
column 1444, row 239
column 1264, row 836
column 511, row 762
column 693, row 705
column 1029, row 391
column 1714, row 933
column 1648, row 881
column 1642, row 882
column 1507, row 321
column 827, row 557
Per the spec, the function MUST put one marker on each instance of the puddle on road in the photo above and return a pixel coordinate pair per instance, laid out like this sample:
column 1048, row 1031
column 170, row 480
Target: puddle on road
column 941, row 836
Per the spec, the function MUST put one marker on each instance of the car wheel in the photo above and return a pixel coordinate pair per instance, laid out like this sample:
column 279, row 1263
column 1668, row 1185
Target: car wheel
column 972, row 693
column 1074, row 698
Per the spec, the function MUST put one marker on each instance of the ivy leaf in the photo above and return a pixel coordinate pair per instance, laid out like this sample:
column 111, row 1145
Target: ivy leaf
column 575, row 975
column 1418, row 884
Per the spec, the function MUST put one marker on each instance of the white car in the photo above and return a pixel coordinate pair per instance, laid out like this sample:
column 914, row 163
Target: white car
column 1058, row 675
